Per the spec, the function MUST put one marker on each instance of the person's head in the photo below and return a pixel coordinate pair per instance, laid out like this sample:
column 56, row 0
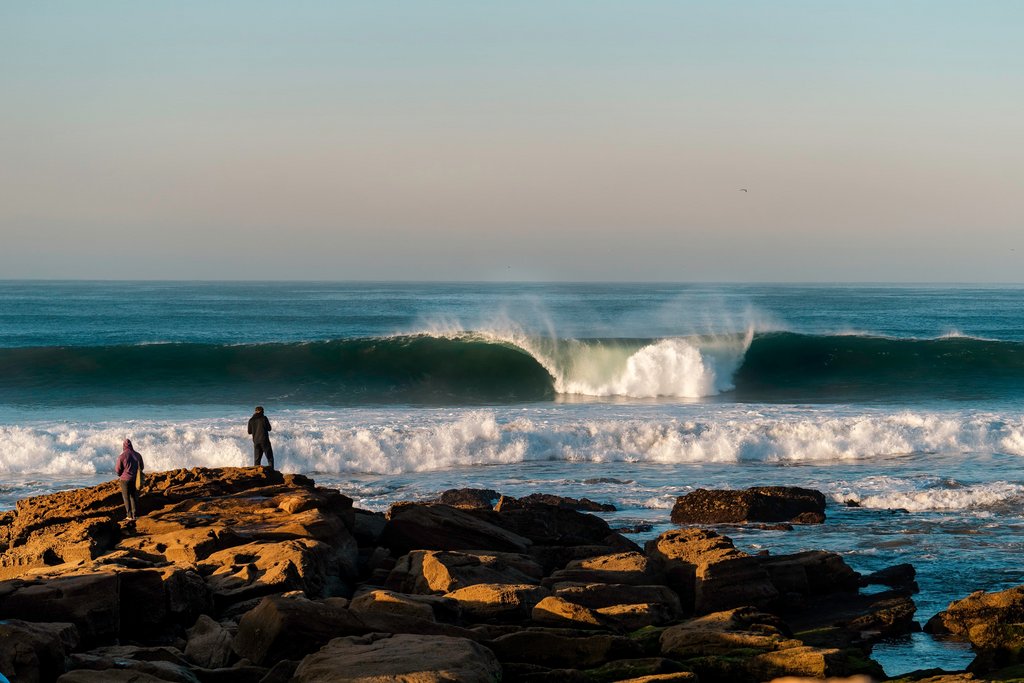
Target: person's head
column 127, row 445
column 259, row 410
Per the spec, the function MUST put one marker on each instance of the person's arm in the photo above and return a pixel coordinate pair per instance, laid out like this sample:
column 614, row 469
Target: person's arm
column 142, row 465
column 267, row 421
column 119, row 469
column 250, row 425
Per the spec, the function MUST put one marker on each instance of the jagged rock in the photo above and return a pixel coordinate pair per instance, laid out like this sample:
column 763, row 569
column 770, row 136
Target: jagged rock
column 992, row 622
column 209, row 644
column 416, row 526
column 562, row 648
column 756, row 504
column 261, row 568
column 384, row 657
column 433, row 571
column 629, row 568
column 468, row 499
column 35, row 652
column 498, row 601
column 506, row 503
column 708, row 572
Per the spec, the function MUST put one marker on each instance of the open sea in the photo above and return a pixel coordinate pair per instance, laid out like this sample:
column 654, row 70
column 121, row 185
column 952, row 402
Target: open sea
column 908, row 400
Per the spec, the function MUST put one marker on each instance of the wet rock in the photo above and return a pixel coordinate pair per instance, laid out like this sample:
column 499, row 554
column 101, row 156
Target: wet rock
column 384, row 657
column 757, row 504
column 468, row 499
column 546, row 499
column 897, row 576
column 553, row 525
column 813, row 572
column 992, row 622
column 416, row 526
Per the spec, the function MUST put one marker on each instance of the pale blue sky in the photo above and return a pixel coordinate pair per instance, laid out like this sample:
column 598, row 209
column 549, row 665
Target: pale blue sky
column 590, row 140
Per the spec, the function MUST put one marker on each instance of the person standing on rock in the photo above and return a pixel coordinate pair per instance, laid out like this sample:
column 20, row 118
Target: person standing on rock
column 129, row 467
column 259, row 427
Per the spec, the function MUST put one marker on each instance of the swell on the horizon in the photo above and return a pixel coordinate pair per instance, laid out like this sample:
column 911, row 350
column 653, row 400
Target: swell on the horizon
column 491, row 368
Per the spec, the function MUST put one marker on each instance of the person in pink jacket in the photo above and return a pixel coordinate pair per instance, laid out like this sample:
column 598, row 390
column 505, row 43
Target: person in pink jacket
column 129, row 465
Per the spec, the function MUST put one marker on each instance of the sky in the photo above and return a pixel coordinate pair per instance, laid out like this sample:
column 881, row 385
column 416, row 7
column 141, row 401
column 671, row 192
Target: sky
column 535, row 140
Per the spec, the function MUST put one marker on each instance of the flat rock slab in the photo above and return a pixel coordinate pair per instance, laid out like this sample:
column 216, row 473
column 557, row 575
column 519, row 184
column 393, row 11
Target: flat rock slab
column 376, row 658
column 757, row 504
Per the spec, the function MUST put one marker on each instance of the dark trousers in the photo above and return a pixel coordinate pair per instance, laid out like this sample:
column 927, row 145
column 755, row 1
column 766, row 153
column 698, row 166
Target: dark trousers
column 259, row 450
column 131, row 497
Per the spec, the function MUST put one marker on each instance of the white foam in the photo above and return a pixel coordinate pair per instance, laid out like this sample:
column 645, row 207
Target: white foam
column 430, row 440
column 929, row 493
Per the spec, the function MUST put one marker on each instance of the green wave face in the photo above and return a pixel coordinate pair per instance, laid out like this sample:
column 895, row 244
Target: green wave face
column 484, row 369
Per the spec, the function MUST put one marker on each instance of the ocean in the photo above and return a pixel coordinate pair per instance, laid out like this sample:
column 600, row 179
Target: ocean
column 906, row 400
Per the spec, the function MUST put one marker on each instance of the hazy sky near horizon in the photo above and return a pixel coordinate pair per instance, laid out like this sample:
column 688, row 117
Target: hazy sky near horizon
column 556, row 140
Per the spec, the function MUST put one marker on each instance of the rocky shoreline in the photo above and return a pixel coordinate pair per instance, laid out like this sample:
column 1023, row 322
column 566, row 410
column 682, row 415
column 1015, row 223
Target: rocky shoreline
column 246, row 574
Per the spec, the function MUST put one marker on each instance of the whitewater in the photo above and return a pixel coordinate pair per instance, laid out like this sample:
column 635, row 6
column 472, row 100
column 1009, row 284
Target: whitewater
column 904, row 405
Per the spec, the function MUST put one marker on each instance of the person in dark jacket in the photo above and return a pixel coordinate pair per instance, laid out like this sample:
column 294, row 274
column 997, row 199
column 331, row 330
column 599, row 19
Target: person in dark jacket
column 129, row 465
column 259, row 427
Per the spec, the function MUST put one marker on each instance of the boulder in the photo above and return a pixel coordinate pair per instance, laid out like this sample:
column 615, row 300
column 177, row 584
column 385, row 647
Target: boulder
column 433, row 571
column 32, row 652
column 746, row 645
column 628, row 568
column 897, row 576
column 425, row 607
column 757, row 504
column 290, row 628
column 562, row 648
column 556, row 611
column 599, row 595
column 498, row 601
column 468, row 499
column 814, row 572
column 261, row 568
column 209, row 644
column 417, row 526
column 383, row 657
column 709, row 573
column 546, row 499
column 552, row 525
column 89, row 601
column 992, row 622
